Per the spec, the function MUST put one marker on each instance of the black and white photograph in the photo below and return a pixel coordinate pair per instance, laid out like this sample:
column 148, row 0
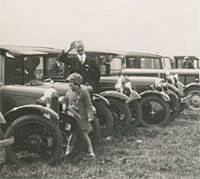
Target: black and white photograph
column 96, row 89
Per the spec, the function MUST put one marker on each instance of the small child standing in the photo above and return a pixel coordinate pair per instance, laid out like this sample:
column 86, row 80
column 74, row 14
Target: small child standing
column 79, row 100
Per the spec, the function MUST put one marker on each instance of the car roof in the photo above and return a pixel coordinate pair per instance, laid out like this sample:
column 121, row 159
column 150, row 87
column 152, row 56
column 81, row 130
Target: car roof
column 29, row 50
column 107, row 52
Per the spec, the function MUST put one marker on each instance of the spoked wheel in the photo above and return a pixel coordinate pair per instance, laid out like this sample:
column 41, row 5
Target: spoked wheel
column 156, row 111
column 105, row 119
column 193, row 101
column 72, row 136
column 36, row 139
column 121, row 113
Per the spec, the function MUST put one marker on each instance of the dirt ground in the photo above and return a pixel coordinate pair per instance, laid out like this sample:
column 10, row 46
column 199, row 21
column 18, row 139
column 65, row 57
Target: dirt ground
column 172, row 152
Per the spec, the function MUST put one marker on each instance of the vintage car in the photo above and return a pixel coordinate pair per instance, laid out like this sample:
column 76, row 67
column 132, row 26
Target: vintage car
column 37, row 121
column 45, row 73
column 151, row 65
column 154, row 100
column 189, row 76
column 4, row 143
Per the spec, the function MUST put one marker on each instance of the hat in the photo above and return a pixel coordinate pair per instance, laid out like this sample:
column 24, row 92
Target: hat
column 75, row 77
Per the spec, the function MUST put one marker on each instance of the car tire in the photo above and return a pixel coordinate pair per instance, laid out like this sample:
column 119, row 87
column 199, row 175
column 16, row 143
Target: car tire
column 34, row 134
column 72, row 136
column 95, row 134
column 136, row 113
column 152, row 116
column 122, row 115
column 175, row 107
column 105, row 119
column 2, row 137
column 194, row 101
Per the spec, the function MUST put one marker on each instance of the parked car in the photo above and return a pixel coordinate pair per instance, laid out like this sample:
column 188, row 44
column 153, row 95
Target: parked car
column 4, row 143
column 190, row 77
column 39, row 125
column 154, row 100
column 152, row 65
column 48, row 74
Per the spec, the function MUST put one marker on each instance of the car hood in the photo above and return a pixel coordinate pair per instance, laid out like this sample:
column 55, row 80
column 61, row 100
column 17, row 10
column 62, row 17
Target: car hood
column 185, row 71
column 22, row 90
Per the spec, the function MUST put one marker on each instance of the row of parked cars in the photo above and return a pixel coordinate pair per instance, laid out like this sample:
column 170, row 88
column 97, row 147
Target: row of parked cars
column 135, row 89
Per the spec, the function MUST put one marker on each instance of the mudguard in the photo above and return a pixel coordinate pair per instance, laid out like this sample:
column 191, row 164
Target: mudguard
column 193, row 84
column 98, row 97
column 26, row 109
column 115, row 94
column 134, row 95
column 2, row 119
column 174, row 89
column 162, row 94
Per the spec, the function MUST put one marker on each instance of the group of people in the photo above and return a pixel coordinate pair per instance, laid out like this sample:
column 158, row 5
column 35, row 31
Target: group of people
column 81, row 69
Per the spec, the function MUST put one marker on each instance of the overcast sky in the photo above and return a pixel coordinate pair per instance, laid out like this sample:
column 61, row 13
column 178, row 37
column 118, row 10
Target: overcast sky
column 157, row 26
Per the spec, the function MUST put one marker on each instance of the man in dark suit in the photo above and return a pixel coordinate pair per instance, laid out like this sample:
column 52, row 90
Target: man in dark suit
column 80, row 63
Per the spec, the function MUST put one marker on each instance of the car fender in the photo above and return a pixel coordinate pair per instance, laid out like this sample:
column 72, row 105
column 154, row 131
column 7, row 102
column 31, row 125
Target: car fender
column 174, row 89
column 28, row 109
column 170, row 92
column 100, row 98
column 115, row 94
column 2, row 119
column 193, row 84
column 162, row 94
column 134, row 95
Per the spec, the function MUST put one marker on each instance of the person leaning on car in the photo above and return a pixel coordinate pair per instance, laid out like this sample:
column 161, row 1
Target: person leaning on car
column 80, row 63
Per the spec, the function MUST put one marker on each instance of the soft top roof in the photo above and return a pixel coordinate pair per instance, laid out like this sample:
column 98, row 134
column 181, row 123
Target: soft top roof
column 28, row 50
column 106, row 52
column 36, row 50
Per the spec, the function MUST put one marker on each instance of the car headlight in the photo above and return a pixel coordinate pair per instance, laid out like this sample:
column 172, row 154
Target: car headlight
column 123, row 86
column 44, row 101
column 173, row 79
column 120, row 85
column 158, row 83
column 50, row 99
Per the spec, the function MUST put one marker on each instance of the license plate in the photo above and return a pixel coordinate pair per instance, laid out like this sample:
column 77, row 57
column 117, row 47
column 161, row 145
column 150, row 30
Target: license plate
column 2, row 155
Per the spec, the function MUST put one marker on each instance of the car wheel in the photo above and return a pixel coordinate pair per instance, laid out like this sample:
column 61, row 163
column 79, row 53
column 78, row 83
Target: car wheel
column 175, row 107
column 72, row 136
column 156, row 111
column 136, row 113
column 2, row 137
column 122, row 115
column 36, row 139
column 105, row 119
column 193, row 101
column 95, row 133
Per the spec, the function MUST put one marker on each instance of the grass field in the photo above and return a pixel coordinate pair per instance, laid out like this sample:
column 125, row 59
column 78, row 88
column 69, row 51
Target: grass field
column 172, row 152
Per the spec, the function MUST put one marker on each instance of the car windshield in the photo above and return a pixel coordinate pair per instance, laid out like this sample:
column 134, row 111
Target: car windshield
column 150, row 63
column 53, row 68
column 143, row 62
column 192, row 63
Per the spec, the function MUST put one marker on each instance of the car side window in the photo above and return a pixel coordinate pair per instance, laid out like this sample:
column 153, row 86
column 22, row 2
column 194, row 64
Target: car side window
column 150, row 63
column 115, row 66
column 131, row 62
column 53, row 67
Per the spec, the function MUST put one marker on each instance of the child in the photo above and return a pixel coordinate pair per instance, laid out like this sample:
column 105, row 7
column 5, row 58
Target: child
column 80, row 101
